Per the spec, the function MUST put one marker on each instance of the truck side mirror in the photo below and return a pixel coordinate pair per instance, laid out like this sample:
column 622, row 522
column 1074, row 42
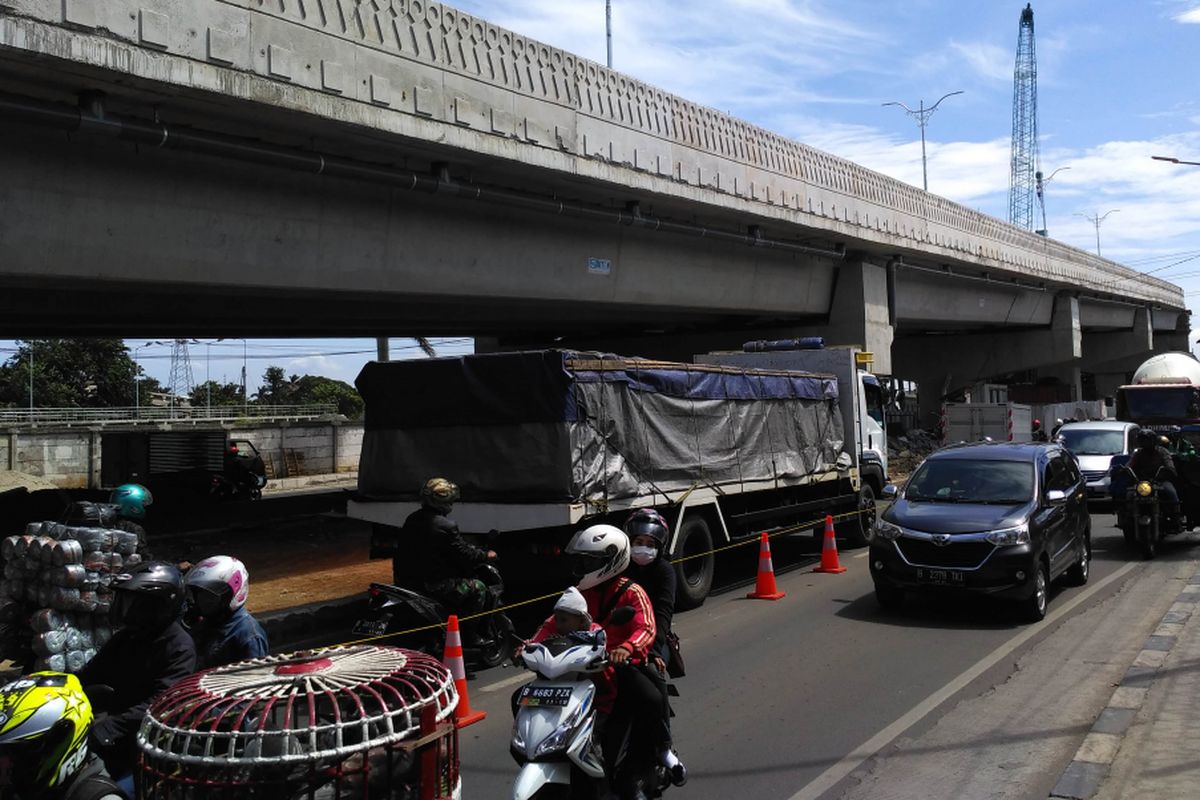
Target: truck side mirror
column 891, row 491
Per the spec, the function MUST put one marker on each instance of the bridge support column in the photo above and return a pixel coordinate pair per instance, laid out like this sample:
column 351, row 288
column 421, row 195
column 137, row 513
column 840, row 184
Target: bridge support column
column 861, row 312
column 944, row 363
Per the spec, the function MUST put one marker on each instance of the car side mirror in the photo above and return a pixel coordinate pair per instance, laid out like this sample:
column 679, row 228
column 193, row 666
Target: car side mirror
column 891, row 491
column 1056, row 497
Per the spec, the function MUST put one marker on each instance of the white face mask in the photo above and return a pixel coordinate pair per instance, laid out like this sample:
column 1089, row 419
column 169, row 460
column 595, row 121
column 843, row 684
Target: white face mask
column 643, row 555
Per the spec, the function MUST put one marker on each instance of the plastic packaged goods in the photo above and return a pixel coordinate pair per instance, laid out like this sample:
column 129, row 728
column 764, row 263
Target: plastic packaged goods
column 8, row 547
column 49, row 643
column 21, row 546
column 66, row 552
column 101, row 539
column 12, row 569
column 54, row 663
column 97, row 561
column 34, row 552
column 73, row 642
column 132, row 561
column 62, row 599
column 33, row 529
column 100, row 636
column 71, row 576
column 103, row 601
column 47, row 619
column 88, row 601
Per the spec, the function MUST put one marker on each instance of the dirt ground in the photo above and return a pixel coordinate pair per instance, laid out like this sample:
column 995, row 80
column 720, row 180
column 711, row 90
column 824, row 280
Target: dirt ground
column 292, row 563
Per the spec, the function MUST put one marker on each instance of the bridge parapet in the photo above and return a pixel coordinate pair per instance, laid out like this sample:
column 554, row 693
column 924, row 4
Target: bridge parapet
column 431, row 72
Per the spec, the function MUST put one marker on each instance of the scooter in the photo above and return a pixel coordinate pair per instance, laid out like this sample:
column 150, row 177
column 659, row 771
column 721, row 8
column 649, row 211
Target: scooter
column 554, row 733
column 391, row 609
column 1141, row 519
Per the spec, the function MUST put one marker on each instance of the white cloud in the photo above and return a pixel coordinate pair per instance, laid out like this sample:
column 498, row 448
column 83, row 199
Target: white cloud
column 990, row 61
column 1191, row 16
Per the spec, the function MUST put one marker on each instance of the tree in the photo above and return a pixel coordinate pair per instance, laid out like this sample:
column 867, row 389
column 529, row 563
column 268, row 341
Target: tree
column 220, row 394
column 308, row 390
column 88, row 373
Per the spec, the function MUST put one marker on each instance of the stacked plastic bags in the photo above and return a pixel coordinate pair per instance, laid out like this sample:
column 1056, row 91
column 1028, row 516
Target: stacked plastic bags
column 59, row 577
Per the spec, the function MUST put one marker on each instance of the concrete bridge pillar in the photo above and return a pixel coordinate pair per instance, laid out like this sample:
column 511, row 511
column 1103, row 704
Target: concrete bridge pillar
column 860, row 312
column 945, row 363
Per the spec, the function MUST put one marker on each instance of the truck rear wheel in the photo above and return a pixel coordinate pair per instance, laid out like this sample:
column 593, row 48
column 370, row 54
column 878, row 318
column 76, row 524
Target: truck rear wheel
column 857, row 530
column 694, row 576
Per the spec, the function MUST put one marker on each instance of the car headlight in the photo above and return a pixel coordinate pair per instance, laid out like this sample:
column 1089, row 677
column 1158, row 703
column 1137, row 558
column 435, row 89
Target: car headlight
column 1017, row 535
column 561, row 737
column 1145, row 489
column 887, row 531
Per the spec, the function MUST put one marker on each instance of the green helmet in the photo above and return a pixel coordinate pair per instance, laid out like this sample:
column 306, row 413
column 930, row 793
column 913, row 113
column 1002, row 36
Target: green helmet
column 131, row 500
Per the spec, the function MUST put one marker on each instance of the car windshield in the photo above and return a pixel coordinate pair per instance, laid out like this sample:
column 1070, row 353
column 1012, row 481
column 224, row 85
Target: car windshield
column 960, row 480
column 1084, row 442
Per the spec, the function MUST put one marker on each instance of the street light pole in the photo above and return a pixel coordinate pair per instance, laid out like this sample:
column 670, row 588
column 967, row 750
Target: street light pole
column 208, row 377
column 31, row 381
column 922, row 115
column 1174, row 160
column 1041, row 184
column 608, row 28
column 1096, row 219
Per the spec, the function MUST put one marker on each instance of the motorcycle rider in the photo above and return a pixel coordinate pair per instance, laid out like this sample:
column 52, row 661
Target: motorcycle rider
column 648, row 533
column 432, row 553
column 571, row 616
column 43, row 740
column 149, row 652
column 599, row 555
column 1039, row 433
column 222, row 628
column 1152, row 462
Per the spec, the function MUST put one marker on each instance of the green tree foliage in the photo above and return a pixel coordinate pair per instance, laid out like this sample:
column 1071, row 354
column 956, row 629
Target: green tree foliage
column 298, row 390
column 86, row 373
column 220, row 394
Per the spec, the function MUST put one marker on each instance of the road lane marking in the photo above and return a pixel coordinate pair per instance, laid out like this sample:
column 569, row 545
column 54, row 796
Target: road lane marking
column 510, row 681
column 827, row 779
column 863, row 554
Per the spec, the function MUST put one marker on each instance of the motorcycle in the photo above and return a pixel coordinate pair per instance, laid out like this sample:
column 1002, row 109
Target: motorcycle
column 554, row 737
column 243, row 474
column 1141, row 519
column 391, row 609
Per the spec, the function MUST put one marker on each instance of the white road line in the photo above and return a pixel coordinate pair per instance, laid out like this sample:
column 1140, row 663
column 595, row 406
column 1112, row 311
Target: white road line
column 510, row 681
column 863, row 554
column 827, row 779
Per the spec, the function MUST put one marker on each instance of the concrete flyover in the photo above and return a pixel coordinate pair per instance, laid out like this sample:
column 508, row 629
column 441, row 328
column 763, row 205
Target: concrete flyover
column 396, row 166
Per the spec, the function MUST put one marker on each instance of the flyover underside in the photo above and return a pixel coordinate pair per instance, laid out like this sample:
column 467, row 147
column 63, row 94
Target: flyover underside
column 186, row 243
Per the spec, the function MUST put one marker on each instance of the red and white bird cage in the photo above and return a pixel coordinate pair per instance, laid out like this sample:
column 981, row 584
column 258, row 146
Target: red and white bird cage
column 357, row 722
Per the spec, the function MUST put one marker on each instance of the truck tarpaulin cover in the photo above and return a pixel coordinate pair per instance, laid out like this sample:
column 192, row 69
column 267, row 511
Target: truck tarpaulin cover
column 555, row 426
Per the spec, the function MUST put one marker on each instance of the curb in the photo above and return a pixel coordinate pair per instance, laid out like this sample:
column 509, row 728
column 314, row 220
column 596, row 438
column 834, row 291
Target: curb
column 1082, row 778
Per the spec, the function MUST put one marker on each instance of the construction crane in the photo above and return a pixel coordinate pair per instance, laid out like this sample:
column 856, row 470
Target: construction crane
column 1022, row 181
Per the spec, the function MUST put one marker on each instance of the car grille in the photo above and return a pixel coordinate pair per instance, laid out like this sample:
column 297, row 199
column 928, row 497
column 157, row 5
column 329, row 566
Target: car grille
column 962, row 555
column 1091, row 476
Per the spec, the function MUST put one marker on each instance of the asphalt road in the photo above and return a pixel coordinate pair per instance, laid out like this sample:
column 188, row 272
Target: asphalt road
column 821, row 694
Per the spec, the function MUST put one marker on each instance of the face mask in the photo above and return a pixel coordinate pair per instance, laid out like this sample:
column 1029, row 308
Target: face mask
column 643, row 555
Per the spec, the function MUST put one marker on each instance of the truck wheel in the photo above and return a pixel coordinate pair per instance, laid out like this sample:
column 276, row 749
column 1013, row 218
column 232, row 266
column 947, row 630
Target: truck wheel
column 695, row 575
column 857, row 530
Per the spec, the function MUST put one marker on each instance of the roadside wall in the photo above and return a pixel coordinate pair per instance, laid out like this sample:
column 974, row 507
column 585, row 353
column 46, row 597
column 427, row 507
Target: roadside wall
column 71, row 458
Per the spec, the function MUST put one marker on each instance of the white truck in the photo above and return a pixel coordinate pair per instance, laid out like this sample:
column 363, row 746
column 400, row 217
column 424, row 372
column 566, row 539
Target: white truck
column 1000, row 422
column 544, row 442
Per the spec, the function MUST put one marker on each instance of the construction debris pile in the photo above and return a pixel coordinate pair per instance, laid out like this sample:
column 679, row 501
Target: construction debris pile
column 906, row 452
column 55, row 594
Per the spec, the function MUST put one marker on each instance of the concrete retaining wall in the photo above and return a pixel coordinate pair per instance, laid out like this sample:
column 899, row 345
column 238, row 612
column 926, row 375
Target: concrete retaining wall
column 71, row 458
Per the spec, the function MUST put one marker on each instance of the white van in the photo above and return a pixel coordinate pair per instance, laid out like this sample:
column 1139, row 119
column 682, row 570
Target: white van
column 1094, row 444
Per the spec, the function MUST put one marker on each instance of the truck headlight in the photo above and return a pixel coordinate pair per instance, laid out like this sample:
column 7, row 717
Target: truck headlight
column 1145, row 489
column 886, row 531
column 1007, row 536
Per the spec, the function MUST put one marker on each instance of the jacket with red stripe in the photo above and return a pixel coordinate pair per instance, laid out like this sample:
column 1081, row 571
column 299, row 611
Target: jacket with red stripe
column 637, row 635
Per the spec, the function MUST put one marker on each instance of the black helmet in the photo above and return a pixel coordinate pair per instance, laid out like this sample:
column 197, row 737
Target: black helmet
column 148, row 598
column 1146, row 438
column 647, row 522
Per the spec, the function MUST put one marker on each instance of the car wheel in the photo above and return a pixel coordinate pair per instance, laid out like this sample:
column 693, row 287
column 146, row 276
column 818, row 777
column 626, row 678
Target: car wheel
column 1078, row 574
column 694, row 576
column 889, row 597
column 1034, row 609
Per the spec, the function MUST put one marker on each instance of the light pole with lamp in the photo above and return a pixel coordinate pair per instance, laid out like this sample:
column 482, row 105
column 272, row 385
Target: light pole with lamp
column 1096, row 219
column 1174, row 160
column 1041, row 185
column 31, row 345
column 137, row 381
column 608, row 28
column 922, row 115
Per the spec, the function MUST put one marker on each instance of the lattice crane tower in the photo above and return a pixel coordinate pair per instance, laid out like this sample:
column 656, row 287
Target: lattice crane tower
column 1022, row 182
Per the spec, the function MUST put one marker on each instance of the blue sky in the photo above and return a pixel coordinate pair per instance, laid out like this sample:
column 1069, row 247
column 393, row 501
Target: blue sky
column 1116, row 84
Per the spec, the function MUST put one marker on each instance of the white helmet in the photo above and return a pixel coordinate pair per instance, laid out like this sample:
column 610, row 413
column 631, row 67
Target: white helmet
column 598, row 553
column 217, row 586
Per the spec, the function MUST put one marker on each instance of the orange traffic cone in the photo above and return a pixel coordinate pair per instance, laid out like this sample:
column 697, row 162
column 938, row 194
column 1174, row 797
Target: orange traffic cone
column 453, row 659
column 764, row 586
column 829, row 555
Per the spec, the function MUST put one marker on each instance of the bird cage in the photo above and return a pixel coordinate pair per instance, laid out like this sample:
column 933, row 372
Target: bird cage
column 359, row 722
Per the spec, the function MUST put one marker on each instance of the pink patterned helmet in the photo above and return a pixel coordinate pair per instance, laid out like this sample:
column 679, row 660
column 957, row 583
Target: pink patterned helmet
column 217, row 586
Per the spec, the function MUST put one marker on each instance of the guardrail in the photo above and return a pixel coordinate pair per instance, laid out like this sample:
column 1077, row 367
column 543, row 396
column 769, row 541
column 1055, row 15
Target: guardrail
column 104, row 416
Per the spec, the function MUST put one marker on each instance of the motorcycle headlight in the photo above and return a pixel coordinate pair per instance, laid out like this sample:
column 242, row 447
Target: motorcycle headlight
column 886, row 531
column 1145, row 489
column 1017, row 535
column 561, row 737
